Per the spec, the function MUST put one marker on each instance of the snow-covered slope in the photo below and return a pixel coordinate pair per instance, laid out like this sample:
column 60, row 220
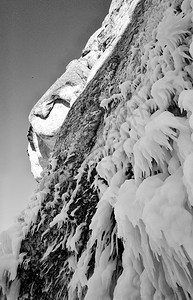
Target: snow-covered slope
column 112, row 216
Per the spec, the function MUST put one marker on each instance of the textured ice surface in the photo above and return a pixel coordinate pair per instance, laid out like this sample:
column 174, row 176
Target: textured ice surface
column 144, row 177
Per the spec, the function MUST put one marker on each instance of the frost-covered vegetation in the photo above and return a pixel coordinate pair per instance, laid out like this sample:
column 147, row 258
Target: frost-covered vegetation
column 141, row 235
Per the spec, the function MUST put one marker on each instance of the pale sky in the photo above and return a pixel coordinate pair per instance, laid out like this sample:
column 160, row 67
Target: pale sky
column 38, row 39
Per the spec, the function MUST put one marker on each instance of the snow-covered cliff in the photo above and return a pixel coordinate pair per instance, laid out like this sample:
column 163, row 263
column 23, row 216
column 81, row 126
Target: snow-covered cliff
column 49, row 113
column 111, row 144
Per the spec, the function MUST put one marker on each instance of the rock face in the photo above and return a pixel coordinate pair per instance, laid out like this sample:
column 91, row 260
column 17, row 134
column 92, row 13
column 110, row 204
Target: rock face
column 48, row 115
column 112, row 148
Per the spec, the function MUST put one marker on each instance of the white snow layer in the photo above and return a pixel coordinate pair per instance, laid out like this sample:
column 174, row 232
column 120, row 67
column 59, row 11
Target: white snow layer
column 10, row 242
column 144, row 177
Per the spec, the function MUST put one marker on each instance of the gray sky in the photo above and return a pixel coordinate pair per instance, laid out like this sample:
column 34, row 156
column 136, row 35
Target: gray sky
column 38, row 39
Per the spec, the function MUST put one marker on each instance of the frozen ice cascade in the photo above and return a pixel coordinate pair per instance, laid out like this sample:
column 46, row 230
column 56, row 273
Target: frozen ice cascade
column 136, row 184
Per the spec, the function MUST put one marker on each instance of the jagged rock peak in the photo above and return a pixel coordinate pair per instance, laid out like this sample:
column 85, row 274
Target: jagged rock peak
column 48, row 115
column 112, row 214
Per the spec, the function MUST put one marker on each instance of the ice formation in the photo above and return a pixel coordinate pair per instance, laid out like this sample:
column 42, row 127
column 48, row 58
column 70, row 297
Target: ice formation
column 10, row 241
column 138, row 242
